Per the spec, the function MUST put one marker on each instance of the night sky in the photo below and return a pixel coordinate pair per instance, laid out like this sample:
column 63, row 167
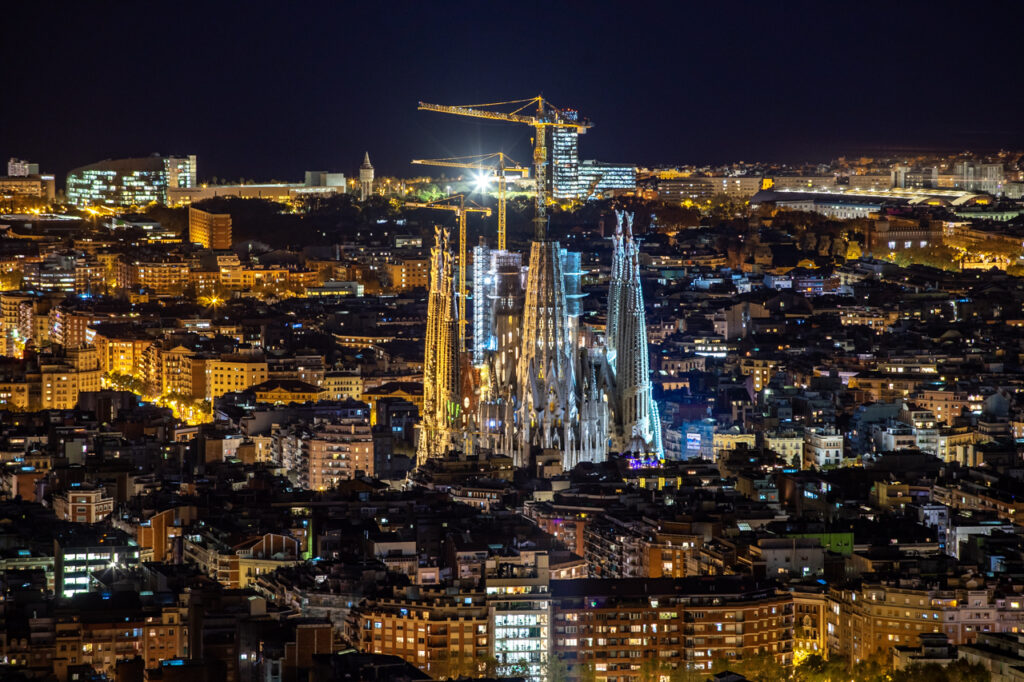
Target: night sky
column 267, row 90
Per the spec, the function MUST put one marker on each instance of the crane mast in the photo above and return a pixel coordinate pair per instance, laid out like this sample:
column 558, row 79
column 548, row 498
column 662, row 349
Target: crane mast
column 460, row 210
column 502, row 165
column 546, row 116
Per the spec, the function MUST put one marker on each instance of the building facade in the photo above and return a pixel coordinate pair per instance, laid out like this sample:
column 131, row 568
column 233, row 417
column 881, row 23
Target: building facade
column 209, row 230
column 129, row 182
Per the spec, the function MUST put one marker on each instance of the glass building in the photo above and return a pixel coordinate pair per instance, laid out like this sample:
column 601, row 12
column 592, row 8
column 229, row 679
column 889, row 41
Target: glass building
column 130, row 182
column 596, row 178
column 565, row 164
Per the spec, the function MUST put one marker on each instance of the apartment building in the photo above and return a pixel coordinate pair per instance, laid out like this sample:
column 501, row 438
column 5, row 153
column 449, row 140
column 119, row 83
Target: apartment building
column 443, row 633
column 409, row 274
column 337, row 452
column 83, row 503
column 620, row 627
column 230, row 373
column 867, row 621
column 822, row 448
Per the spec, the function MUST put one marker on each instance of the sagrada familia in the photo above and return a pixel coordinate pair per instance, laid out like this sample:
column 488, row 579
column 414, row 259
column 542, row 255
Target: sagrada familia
column 533, row 383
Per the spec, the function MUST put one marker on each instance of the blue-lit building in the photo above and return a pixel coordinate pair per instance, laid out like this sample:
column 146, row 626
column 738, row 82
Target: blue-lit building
column 130, row 182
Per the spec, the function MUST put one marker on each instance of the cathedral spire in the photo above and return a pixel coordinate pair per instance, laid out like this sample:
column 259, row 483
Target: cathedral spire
column 635, row 416
column 441, row 404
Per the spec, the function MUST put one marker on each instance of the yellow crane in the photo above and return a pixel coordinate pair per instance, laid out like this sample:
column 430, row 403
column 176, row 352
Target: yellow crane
column 461, row 210
column 545, row 116
column 497, row 163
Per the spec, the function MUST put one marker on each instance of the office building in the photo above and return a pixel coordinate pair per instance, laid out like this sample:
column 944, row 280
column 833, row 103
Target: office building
column 699, row 189
column 20, row 168
column 81, row 551
column 519, row 606
column 209, row 230
column 130, row 182
column 181, row 171
column 17, row 191
column 565, row 164
column 597, row 179
column 325, row 179
column 978, row 177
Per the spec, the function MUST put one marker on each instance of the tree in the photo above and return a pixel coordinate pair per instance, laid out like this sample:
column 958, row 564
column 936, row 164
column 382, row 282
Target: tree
column 817, row 669
column 722, row 205
column 588, row 673
column 957, row 671
column 557, row 670
column 11, row 280
column 761, row 667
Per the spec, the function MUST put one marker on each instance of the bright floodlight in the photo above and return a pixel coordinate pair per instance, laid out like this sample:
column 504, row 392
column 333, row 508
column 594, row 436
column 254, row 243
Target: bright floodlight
column 480, row 182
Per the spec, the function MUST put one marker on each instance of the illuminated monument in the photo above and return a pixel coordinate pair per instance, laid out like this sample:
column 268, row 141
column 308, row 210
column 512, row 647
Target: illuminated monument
column 541, row 386
column 441, row 403
column 533, row 385
column 365, row 178
column 636, row 426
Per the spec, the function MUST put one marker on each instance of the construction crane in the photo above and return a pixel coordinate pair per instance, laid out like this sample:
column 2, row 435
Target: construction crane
column 497, row 163
column 546, row 116
column 461, row 210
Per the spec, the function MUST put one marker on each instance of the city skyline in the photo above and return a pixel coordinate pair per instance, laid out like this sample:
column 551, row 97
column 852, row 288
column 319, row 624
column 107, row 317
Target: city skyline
column 332, row 349
column 318, row 85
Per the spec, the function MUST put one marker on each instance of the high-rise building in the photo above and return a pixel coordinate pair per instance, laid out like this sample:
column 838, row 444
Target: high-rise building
column 209, row 230
column 565, row 164
column 365, row 178
column 181, row 171
column 520, row 608
column 20, row 168
column 130, row 182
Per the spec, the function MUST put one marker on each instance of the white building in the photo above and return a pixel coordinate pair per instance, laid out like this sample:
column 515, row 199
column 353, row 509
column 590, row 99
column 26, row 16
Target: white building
column 822, row 448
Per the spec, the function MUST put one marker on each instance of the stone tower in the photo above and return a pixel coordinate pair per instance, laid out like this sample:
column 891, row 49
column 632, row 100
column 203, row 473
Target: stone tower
column 636, row 426
column 365, row 178
column 441, row 405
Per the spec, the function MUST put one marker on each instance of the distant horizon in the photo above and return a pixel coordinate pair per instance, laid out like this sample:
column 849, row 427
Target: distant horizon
column 890, row 153
column 271, row 90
